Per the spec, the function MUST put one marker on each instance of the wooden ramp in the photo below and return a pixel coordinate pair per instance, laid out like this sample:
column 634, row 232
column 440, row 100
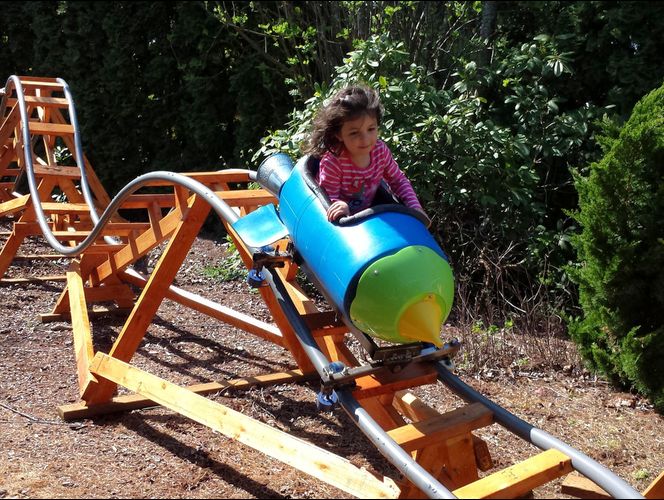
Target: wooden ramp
column 444, row 444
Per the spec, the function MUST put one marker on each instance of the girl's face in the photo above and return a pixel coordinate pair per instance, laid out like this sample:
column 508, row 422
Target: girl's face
column 359, row 135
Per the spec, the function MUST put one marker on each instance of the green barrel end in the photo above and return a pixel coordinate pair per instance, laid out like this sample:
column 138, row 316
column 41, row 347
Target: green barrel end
column 404, row 297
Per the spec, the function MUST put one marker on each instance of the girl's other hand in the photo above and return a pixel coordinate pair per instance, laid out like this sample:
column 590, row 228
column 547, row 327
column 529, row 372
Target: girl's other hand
column 337, row 210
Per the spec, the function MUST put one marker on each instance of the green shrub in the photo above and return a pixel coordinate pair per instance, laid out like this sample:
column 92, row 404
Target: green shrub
column 482, row 167
column 621, row 254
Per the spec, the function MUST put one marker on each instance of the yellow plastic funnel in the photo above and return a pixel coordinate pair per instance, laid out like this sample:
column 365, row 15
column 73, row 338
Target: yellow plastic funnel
column 421, row 321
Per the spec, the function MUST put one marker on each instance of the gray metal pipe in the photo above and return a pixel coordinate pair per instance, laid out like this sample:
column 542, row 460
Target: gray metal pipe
column 593, row 470
column 78, row 153
column 380, row 439
column 220, row 207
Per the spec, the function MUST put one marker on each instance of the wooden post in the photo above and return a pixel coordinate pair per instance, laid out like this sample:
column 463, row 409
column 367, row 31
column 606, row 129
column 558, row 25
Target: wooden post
column 153, row 294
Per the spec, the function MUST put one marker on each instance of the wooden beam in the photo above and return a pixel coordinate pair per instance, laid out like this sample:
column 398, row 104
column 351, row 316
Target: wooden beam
column 129, row 402
column 32, row 279
column 413, row 375
column 252, row 197
column 12, row 206
column 218, row 176
column 656, row 488
column 153, row 294
column 415, row 409
column 451, row 424
column 293, row 451
column 83, row 350
column 144, row 243
column 521, row 478
column 8, row 251
column 36, row 256
column 94, row 312
column 50, row 128
column 213, row 309
column 579, row 486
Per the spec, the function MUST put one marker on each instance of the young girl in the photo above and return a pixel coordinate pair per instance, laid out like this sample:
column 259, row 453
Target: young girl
column 352, row 159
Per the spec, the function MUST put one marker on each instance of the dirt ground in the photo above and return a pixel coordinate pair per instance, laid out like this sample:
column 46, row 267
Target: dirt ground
column 155, row 453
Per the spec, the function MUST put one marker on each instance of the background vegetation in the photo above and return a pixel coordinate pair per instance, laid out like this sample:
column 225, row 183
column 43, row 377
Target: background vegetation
column 494, row 109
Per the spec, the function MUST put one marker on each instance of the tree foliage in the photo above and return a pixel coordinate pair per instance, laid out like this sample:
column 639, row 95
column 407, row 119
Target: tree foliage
column 621, row 253
column 490, row 105
column 484, row 179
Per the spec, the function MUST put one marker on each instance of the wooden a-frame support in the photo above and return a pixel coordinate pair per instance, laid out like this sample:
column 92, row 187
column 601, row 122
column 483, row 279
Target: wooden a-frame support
column 444, row 444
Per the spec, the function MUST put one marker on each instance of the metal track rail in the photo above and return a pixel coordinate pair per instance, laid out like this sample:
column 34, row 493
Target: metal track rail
column 403, row 461
column 593, row 470
column 220, row 207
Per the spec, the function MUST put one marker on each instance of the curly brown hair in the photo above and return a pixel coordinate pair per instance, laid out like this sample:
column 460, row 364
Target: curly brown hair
column 347, row 104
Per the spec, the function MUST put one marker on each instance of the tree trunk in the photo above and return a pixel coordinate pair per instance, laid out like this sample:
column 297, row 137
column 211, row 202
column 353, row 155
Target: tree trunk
column 488, row 21
column 487, row 28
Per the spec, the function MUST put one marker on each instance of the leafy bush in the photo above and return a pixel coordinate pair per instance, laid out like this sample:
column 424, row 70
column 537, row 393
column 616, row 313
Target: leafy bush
column 621, row 253
column 483, row 169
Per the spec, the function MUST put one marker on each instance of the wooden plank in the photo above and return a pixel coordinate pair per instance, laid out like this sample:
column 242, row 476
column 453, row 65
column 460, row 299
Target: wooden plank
column 482, row 456
column 83, row 349
column 580, row 486
column 416, row 410
column 153, row 294
column 50, row 128
column 104, row 248
column 129, row 402
column 385, row 415
column 8, row 124
column 656, row 488
column 414, row 374
column 138, row 201
column 12, row 206
column 33, row 279
column 277, row 444
column 218, row 176
column 241, row 198
column 9, row 249
column 45, row 102
column 143, row 244
column 451, row 424
column 94, row 312
column 461, row 465
column 213, row 309
column 65, row 208
column 31, row 82
column 58, row 171
column 36, row 256
column 521, row 478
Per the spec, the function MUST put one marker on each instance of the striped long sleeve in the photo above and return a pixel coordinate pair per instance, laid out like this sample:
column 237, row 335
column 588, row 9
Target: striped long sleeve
column 343, row 180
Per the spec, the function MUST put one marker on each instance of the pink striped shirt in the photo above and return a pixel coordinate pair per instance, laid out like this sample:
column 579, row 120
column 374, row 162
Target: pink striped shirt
column 343, row 180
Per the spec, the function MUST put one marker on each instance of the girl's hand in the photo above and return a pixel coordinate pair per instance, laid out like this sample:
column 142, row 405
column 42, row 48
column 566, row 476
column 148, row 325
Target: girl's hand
column 337, row 210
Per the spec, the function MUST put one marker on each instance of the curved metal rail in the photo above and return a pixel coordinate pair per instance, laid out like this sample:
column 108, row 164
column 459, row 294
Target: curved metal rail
column 403, row 461
column 220, row 207
column 593, row 470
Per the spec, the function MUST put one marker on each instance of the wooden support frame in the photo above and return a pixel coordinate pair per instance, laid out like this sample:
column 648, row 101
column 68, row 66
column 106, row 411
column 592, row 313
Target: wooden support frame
column 656, row 488
column 442, row 443
column 293, row 451
column 521, row 478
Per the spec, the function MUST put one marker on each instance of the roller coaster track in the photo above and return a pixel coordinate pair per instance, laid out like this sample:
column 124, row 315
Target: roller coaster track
column 437, row 455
